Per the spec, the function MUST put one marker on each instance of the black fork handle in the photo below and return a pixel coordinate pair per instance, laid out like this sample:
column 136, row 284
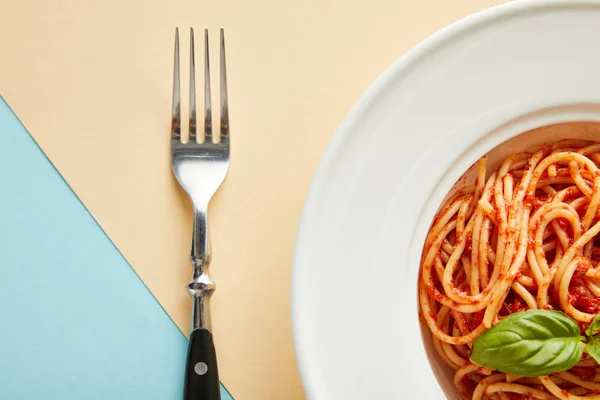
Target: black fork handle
column 201, row 372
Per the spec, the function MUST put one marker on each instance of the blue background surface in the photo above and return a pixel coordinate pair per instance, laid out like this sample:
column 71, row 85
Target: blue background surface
column 76, row 322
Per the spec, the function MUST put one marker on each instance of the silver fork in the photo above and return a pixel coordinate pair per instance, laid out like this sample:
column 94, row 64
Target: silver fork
column 200, row 168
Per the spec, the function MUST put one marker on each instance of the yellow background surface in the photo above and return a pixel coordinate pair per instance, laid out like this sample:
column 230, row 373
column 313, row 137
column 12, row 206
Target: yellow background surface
column 91, row 81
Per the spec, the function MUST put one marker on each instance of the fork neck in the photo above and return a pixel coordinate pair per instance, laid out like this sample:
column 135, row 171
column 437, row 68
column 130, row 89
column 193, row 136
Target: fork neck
column 201, row 286
column 200, row 253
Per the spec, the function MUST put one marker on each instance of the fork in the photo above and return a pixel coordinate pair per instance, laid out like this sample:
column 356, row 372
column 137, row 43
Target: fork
column 200, row 167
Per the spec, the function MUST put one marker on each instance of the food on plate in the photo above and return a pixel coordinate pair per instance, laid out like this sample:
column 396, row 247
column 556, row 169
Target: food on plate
column 510, row 283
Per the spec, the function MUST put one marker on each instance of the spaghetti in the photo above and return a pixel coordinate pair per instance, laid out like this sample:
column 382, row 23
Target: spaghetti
column 522, row 237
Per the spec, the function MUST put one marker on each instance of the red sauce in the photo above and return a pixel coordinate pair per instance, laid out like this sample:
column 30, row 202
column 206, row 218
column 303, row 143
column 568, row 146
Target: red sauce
column 517, row 396
column 582, row 268
column 467, row 387
column 476, row 320
column 562, row 223
column 516, row 306
column 585, row 373
column 512, row 304
column 462, row 289
column 581, row 299
column 553, row 299
column 583, row 326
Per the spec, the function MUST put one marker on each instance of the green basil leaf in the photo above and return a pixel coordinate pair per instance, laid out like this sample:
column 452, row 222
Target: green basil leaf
column 592, row 347
column 594, row 326
column 530, row 343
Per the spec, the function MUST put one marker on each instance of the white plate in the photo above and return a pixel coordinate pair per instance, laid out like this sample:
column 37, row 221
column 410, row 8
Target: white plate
column 453, row 98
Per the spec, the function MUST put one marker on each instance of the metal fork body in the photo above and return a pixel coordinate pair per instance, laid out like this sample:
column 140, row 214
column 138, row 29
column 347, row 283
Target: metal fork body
column 200, row 170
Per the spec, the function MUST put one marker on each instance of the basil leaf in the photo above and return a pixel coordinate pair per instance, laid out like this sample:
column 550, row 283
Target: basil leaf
column 594, row 326
column 592, row 347
column 530, row 343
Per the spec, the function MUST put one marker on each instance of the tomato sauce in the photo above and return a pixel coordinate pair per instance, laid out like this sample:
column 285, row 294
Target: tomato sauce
column 516, row 306
column 518, row 396
column 467, row 387
column 582, row 269
column 581, row 299
column 585, row 373
column 476, row 320
column 562, row 223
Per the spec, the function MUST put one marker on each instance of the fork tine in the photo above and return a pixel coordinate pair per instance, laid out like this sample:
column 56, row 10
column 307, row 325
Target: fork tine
column 192, row 89
column 176, row 111
column 224, row 102
column 207, row 105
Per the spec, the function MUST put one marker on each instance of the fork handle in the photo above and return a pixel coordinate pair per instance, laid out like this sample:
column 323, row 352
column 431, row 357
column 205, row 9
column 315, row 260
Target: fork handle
column 201, row 373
